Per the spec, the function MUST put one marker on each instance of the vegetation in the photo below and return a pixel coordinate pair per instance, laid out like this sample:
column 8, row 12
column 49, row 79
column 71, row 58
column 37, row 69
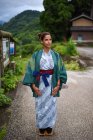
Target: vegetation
column 66, row 49
column 24, row 26
column 3, row 132
column 72, row 65
column 55, row 19
column 58, row 13
column 82, row 6
column 11, row 78
column 4, row 100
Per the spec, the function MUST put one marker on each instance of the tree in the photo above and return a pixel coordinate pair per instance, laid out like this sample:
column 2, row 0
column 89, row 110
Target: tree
column 56, row 16
column 82, row 6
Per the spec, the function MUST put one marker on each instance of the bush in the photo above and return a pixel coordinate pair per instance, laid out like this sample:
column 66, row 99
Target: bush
column 72, row 65
column 4, row 100
column 27, row 49
column 1, row 91
column 60, row 49
column 71, row 48
column 9, row 80
column 3, row 132
column 66, row 49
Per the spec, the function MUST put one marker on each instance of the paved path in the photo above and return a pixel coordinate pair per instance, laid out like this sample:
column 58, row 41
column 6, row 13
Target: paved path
column 75, row 111
column 86, row 51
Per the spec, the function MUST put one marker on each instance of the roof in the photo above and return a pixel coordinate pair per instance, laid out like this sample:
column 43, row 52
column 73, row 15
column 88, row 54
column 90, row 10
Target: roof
column 82, row 28
column 6, row 35
column 82, row 16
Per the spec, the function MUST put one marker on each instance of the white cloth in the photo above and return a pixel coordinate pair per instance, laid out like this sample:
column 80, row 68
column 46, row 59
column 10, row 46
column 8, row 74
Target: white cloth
column 45, row 104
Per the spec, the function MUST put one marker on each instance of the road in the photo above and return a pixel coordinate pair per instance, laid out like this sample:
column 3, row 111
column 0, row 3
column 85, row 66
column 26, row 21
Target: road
column 75, row 111
column 86, row 51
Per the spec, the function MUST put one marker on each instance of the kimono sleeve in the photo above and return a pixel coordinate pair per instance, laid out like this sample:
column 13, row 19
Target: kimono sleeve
column 62, row 72
column 28, row 77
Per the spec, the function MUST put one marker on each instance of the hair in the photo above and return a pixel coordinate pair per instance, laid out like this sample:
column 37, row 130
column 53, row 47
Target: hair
column 42, row 35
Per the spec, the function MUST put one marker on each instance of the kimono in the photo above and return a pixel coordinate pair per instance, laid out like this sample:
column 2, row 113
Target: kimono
column 34, row 65
column 46, row 104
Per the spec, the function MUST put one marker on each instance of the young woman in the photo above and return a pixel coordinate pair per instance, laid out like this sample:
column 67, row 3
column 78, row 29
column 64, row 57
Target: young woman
column 45, row 75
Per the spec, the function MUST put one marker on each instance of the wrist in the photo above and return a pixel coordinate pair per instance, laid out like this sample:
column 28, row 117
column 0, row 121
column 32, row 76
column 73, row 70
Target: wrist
column 33, row 85
column 58, row 85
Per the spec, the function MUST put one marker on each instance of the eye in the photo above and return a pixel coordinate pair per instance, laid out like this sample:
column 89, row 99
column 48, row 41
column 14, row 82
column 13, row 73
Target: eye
column 46, row 39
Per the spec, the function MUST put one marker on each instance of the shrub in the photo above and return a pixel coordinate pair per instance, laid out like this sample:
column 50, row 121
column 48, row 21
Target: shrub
column 27, row 49
column 70, row 48
column 4, row 100
column 1, row 91
column 3, row 132
column 72, row 65
column 60, row 49
column 66, row 49
column 9, row 80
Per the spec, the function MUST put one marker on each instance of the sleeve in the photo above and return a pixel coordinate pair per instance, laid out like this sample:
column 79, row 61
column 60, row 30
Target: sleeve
column 28, row 77
column 62, row 72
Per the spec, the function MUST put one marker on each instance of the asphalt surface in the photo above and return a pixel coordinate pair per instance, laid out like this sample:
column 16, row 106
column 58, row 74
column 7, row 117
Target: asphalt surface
column 86, row 51
column 75, row 111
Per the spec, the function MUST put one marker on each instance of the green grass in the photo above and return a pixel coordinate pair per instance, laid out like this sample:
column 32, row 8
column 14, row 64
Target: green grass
column 73, row 66
column 3, row 132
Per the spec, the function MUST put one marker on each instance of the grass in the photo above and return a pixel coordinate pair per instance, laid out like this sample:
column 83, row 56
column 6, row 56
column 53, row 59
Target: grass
column 3, row 132
column 73, row 66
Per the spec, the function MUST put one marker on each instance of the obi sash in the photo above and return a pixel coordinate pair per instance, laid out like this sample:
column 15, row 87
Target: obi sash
column 44, row 74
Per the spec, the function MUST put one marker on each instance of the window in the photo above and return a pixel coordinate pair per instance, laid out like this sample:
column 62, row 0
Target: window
column 80, row 38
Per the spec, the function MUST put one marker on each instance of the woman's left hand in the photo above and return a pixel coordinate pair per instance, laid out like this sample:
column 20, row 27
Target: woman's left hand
column 55, row 90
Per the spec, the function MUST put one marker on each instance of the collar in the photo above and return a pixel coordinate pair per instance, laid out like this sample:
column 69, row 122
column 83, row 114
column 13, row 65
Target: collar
column 49, row 52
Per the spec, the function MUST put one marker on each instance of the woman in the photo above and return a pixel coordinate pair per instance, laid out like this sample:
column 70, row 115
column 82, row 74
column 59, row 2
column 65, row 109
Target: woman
column 45, row 75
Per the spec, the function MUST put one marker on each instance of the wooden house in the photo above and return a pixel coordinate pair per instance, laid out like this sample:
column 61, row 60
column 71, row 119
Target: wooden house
column 82, row 29
column 6, row 43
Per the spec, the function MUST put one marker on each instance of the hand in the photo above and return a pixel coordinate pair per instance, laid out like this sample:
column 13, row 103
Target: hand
column 55, row 90
column 36, row 90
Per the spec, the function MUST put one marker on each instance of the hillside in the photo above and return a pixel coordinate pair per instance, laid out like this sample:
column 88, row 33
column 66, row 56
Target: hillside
column 24, row 26
column 1, row 22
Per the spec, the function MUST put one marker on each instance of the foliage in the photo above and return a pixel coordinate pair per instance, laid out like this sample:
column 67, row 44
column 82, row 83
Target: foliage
column 66, row 49
column 3, row 132
column 4, row 100
column 1, row 90
column 60, row 49
column 20, row 66
column 29, row 49
column 56, row 17
column 12, row 76
column 82, row 6
column 72, row 65
column 71, row 49
column 9, row 80
column 58, row 13
column 24, row 26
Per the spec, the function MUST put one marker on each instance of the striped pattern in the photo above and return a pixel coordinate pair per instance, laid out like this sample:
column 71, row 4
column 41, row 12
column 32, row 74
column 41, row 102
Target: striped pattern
column 45, row 104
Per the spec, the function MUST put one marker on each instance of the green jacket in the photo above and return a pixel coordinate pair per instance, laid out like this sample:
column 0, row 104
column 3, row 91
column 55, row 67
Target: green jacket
column 34, row 65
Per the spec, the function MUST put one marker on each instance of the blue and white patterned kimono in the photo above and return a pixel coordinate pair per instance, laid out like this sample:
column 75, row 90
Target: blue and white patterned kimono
column 46, row 104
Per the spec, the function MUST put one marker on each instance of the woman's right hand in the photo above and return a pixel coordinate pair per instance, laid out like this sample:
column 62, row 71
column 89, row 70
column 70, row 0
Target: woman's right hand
column 36, row 90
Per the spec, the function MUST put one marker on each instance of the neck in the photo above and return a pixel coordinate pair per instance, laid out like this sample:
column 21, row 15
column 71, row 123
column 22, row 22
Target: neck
column 46, row 50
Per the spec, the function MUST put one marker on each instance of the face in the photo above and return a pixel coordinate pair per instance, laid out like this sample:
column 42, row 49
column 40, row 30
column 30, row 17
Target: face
column 47, row 41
